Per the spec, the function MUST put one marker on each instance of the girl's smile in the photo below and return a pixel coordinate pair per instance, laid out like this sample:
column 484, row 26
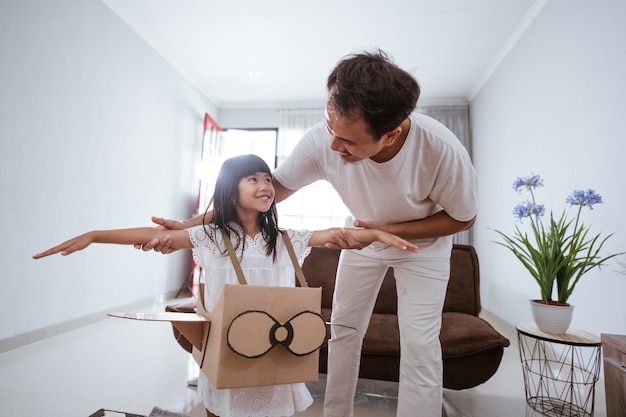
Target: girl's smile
column 255, row 193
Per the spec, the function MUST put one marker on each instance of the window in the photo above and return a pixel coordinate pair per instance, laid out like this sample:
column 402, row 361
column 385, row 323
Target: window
column 316, row 206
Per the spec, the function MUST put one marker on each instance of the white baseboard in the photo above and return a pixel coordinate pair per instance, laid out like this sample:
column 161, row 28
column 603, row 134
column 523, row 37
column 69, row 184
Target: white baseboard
column 27, row 338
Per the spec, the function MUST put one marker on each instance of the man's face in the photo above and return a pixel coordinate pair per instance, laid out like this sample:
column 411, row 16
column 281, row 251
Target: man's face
column 351, row 137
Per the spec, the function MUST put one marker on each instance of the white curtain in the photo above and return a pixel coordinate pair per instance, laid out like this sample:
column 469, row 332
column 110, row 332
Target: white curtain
column 455, row 118
column 293, row 123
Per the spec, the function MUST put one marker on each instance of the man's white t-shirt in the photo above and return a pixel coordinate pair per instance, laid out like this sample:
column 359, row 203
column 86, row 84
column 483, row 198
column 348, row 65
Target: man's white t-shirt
column 432, row 172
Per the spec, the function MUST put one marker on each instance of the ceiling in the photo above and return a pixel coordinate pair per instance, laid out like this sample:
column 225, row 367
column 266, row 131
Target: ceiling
column 278, row 53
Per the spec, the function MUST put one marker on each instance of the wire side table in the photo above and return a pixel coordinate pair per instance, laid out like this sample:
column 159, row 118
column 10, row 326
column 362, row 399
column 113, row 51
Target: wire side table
column 560, row 370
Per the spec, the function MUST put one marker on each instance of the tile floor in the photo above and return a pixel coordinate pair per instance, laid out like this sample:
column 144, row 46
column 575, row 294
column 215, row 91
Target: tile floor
column 132, row 366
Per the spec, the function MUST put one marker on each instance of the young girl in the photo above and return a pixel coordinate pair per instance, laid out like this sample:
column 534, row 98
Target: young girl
column 243, row 207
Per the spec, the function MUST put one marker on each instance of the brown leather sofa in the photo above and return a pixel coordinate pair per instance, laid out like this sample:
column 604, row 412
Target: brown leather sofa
column 472, row 349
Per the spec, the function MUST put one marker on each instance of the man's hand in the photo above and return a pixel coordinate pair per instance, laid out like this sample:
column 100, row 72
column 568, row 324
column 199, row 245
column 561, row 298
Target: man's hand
column 367, row 224
column 162, row 245
column 345, row 240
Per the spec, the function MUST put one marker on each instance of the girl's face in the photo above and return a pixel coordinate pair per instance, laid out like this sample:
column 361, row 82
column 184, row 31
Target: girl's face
column 256, row 193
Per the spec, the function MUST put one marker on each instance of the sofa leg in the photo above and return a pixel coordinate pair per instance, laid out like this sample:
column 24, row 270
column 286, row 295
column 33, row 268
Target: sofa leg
column 449, row 410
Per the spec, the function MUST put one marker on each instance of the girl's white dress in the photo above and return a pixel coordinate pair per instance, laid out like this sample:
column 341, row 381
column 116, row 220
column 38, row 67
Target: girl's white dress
column 259, row 269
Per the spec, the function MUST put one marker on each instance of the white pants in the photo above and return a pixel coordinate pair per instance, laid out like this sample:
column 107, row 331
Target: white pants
column 421, row 286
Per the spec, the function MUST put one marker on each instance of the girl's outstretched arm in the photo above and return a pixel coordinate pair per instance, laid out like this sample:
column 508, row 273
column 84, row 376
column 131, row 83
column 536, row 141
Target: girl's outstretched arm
column 329, row 237
column 179, row 239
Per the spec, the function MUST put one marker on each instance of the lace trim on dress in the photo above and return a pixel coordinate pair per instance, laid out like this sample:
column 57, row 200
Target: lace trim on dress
column 300, row 242
column 213, row 247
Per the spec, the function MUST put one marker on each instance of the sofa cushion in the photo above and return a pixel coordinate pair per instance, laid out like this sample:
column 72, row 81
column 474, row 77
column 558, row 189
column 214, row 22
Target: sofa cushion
column 463, row 335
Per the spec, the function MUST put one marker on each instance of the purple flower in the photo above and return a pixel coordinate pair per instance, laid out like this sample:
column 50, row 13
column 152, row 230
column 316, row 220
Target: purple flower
column 527, row 209
column 584, row 198
column 531, row 182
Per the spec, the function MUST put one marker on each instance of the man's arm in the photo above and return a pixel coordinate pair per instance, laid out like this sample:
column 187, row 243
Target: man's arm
column 437, row 225
column 163, row 244
column 280, row 191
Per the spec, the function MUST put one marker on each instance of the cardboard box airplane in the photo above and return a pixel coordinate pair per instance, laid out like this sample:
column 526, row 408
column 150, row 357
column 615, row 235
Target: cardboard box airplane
column 255, row 336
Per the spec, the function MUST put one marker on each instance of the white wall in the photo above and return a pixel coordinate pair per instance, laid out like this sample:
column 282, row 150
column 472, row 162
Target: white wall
column 265, row 118
column 97, row 131
column 555, row 107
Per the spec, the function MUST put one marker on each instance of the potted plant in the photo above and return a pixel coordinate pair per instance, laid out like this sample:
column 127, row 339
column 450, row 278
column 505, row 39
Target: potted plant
column 557, row 254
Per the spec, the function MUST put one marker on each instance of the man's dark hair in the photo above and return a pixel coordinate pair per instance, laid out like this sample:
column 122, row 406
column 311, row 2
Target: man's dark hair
column 371, row 86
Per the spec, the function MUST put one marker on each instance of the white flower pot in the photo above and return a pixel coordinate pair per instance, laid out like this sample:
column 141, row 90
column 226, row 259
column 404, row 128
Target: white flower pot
column 549, row 318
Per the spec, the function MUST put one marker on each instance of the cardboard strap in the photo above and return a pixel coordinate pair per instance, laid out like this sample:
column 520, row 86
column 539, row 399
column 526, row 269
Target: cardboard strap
column 233, row 258
column 292, row 256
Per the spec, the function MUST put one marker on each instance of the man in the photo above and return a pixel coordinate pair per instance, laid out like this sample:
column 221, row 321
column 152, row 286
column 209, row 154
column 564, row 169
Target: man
column 401, row 172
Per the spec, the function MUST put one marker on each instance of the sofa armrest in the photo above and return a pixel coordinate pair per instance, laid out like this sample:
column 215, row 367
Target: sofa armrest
column 471, row 348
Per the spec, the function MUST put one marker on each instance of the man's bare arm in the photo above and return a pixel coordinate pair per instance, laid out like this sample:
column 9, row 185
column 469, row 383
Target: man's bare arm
column 280, row 191
column 438, row 225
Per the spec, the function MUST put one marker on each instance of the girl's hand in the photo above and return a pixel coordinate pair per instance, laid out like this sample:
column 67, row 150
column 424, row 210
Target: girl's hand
column 345, row 240
column 66, row 248
column 394, row 240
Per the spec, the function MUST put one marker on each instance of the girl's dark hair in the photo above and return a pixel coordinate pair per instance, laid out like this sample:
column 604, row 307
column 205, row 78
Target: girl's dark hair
column 226, row 192
column 371, row 86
